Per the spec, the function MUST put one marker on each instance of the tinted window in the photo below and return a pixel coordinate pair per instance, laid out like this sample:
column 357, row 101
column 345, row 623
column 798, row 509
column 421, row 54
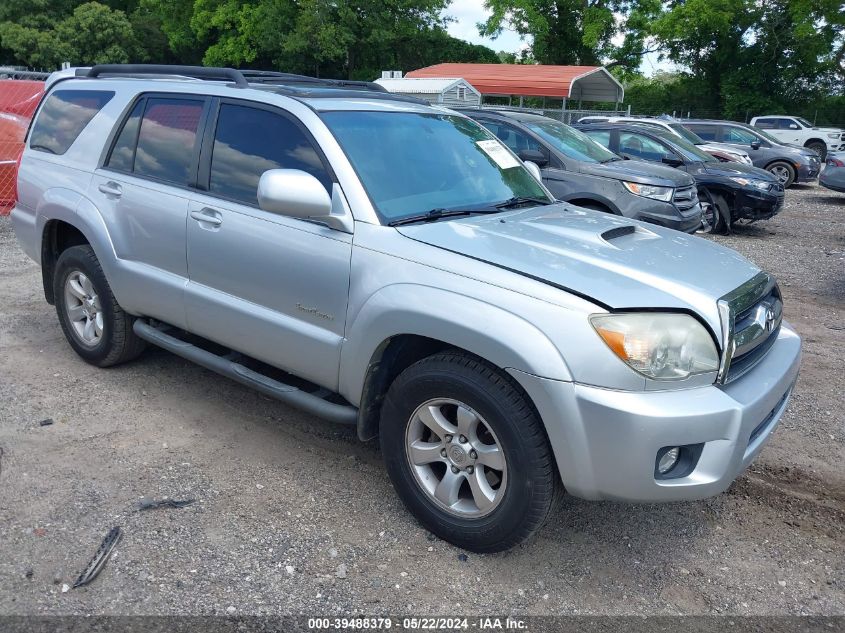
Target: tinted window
column 570, row 142
column 788, row 124
column 738, row 135
column 512, row 137
column 123, row 153
column 166, row 139
column 599, row 136
column 248, row 142
column 642, row 147
column 63, row 117
column 766, row 124
column 707, row 132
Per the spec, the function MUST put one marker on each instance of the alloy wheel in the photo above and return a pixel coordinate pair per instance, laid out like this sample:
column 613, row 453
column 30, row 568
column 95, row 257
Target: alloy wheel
column 83, row 308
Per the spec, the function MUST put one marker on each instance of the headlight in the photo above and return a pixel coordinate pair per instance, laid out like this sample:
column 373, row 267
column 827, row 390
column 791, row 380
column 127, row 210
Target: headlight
column 649, row 191
column 759, row 184
column 833, row 135
column 659, row 345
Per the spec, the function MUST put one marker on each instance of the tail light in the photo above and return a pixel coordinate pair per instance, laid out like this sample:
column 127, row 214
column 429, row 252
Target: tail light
column 835, row 162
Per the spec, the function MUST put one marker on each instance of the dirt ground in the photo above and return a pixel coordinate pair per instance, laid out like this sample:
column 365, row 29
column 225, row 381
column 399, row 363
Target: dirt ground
column 294, row 515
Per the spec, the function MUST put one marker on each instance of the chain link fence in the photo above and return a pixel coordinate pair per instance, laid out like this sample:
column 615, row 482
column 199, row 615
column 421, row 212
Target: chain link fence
column 20, row 92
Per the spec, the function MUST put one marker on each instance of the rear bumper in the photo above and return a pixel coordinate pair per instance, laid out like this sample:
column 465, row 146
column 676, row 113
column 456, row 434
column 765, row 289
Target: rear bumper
column 606, row 442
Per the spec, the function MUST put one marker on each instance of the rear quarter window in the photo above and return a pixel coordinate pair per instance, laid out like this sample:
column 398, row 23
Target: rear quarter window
column 63, row 116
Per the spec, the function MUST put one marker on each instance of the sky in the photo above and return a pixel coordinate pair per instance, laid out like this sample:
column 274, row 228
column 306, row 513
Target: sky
column 468, row 13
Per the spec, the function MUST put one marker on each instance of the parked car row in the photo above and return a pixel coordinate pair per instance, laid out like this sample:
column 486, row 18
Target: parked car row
column 649, row 169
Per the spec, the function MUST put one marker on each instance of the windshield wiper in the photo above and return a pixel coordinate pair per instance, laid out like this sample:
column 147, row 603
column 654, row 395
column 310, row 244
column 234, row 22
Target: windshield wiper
column 437, row 214
column 518, row 200
column 42, row 147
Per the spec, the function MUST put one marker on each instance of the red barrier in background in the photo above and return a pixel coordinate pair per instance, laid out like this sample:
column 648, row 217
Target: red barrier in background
column 18, row 100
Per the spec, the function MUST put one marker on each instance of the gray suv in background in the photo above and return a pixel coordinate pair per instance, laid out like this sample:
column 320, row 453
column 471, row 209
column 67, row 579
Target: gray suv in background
column 425, row 289
column 789, row 163
column 576, row 169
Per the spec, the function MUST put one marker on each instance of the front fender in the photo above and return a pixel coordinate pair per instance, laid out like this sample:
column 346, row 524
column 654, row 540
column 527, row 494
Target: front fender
column 488, row 331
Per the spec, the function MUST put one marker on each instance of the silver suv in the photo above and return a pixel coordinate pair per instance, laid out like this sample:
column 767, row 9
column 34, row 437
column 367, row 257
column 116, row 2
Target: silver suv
column 391, row 265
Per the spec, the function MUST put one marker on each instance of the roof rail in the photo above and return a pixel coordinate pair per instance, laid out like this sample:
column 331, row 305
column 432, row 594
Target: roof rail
column 196, row 72
column 241, row 78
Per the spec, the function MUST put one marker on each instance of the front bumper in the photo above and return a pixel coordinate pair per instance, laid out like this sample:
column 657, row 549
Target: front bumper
column 754, row 204
column 688, row 221
column 808, row 172
column 606, row 441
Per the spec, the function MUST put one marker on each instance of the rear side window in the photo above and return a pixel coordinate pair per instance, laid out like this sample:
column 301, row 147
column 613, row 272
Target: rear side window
column 707, row 132
column 766, row 124
column 249, row 141
column 63, row 116
column 166, row 139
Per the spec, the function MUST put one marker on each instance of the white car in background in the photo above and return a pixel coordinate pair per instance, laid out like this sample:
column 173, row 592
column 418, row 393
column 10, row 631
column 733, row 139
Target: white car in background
column 797, row 130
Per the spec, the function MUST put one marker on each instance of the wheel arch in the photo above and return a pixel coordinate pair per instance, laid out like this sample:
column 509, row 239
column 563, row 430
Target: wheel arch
column 592, row 201
column 391, row 332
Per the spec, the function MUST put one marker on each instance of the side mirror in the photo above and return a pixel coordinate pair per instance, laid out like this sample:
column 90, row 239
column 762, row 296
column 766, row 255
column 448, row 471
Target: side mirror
column 755, row 144
column 794, row 126
column 672, row 161
column 534, row 169
column 533, row 155
column 298, row 194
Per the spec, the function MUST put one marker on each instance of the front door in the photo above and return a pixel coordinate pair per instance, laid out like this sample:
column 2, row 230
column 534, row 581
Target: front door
column 272, row 287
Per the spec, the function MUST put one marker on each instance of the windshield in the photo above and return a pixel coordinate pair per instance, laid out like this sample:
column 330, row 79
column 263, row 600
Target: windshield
column 570, row 142
column 804, row 121
column 688, row 150
column 688, row 136
column 411, row 163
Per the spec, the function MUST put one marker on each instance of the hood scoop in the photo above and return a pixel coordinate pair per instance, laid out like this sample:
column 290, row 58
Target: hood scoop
column 618, row 231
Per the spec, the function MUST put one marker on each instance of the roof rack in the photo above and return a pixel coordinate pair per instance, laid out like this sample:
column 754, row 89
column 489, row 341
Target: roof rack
column 241, row 78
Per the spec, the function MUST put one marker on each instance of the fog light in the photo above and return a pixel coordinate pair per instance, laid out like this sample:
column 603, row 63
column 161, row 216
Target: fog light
column 668, row 460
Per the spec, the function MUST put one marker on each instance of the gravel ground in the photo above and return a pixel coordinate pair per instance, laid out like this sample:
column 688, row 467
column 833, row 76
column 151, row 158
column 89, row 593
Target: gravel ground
column 293, row 515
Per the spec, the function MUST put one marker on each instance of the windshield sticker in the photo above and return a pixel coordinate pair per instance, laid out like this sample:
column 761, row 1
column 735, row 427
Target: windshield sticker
column 499, row 153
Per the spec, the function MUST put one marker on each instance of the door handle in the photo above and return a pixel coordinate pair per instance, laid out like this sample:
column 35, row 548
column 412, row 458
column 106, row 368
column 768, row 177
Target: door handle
column 209, row 216
column 111, row 188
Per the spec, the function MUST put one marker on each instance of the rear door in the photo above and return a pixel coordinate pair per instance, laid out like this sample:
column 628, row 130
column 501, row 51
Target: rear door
column 143, row 189
column 270, row 286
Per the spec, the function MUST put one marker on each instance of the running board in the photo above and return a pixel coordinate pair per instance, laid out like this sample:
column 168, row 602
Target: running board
column 310, row 403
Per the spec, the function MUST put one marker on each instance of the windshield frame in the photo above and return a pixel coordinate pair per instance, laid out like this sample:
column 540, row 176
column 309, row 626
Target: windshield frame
column 387, row 219
column 802, row 121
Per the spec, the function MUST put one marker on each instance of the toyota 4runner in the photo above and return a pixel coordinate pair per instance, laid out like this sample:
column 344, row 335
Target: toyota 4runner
column 391, row 265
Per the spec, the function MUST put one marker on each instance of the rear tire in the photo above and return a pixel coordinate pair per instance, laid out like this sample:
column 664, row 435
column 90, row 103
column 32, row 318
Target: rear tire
column 819, row 148
column 467, row 453
column 94, row 324
column 783, row 171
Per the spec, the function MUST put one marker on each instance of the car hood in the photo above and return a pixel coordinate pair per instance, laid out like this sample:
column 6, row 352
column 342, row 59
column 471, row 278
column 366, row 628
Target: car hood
column 614, row 261
column 721, row 147
column 734, row 170
column 638, row 171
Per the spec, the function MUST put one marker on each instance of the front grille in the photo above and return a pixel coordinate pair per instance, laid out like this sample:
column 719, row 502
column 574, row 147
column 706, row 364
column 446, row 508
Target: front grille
column 751, row 320
column 685, row 198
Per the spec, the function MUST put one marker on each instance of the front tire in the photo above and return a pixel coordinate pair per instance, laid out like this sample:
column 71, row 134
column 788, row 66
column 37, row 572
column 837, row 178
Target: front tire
column 467, row 453
column 783, row 171
column 819, row 148
column 94, row 324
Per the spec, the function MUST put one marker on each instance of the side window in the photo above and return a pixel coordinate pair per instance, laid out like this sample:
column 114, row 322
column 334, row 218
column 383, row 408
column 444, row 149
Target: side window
column 602, row 137
column 123, row 153
column 513, row 138
column 707, row 132
column 166, row 139
column 788, row 124
column 766, row 124
column 738, row 135
column 63, row 116
column 249, row 141
column 642, row 146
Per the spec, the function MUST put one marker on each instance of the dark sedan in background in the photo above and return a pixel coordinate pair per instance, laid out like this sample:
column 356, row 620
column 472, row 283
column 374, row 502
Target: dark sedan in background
column 733, row 191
